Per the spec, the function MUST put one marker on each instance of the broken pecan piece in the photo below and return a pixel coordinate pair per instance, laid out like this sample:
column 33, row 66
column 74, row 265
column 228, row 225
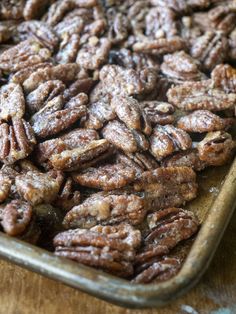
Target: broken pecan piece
column 168, row 227
column 106, row 177
column 106, row 209
column 201, row 121
column 216, row 148
column 16, row 140
column 168, row 139
column 200, row 95
column 110, row 248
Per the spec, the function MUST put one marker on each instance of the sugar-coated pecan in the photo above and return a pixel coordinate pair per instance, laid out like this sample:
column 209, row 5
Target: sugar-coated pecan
column 182, row 6
column 216, row 148
column 68, row 196
column 181, row 66
column 74, row 159
column 141, row 140
column 7, row 30
column 11, row 9
column 69, row 26
column 160, row 46
column 118, row 28
column 16, row 217
column 189, row 158
column 63, row 72
column 5, row 186
column 16, row 140
column 99, row 113
column 211, row 49
column 36, row 187
column 110, row 248
column 82, row 85
column 168, row 227
column 94, row 54
column 35, row 8
column 52, row 118
column 120, row 136
column 68, row 49
column 158, row 112
column 42, row 94
column 12, row 101
column 168, row 139
column 106, row 209
column 73, row 139
column 204, row 121
column 158, row 271
column 200, row 95
column 26, row 53
column 40, row 31
column 106, row 177
column 224, row 76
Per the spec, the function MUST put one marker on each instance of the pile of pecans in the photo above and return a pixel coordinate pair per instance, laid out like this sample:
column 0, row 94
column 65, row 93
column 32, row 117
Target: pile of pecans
column 107, row 111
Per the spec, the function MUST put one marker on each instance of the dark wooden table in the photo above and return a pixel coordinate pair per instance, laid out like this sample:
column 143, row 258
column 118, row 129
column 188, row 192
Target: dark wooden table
column 23, row 292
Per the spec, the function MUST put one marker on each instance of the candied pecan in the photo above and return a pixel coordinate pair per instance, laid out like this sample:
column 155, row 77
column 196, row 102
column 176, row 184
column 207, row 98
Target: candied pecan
column 5, row 186
column 62, row 72
column 52, row 118
column 79, row 101
column 26, row 53
column 11, row 9
column 93, row 54
column 168, row 227
column 189, row 158
column 200, row 95
column 106, row 208
column 36, row 187
column 232, row 44
column 74, row 159
column 182, row 6
column 158, row 271
column 82, row 85
column 16, row 140
column 74, row 139
column 16, row 217
column 99, row 113
column 166, row 187
column 204, row 121
column 35, row 8
column 211, row 49
column 120, row 136
column 190, row 31
column 132, row 60
column 12, row 102
column 68, row 50
column 141, row 140
column 158, row 112
column 159, row 46
column 224, row 76
column 7, row 30
column 68, row 197
column 106, row 177
column 216, row 148
column 138, row 161
column 168, row 139
column 69, row 27
column 40, row 31
column 42, row 94
column 118, row 28
column 110, row 248
column 181, row 66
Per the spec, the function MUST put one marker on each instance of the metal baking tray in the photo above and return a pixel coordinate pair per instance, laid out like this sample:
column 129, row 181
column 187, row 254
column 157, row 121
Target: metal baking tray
column 214, row 207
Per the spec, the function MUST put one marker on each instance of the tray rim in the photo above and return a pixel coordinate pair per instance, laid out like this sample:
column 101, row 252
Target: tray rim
column 122, row 292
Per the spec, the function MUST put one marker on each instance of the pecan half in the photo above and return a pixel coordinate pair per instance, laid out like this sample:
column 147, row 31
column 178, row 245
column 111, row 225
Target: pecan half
column 110, row 248
column 11, row 9
column 168, row 139
column 224, row 76
column 106, row 208
column 200, row 95
column 107, row 177
column 204, row 121
column 16, row 140
column 168, row 227
column 216, row 148
column 158, row 112
column 69, row 48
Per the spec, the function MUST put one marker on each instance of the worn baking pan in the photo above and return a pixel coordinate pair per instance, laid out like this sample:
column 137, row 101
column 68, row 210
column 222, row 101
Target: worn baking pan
column 214, row 207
